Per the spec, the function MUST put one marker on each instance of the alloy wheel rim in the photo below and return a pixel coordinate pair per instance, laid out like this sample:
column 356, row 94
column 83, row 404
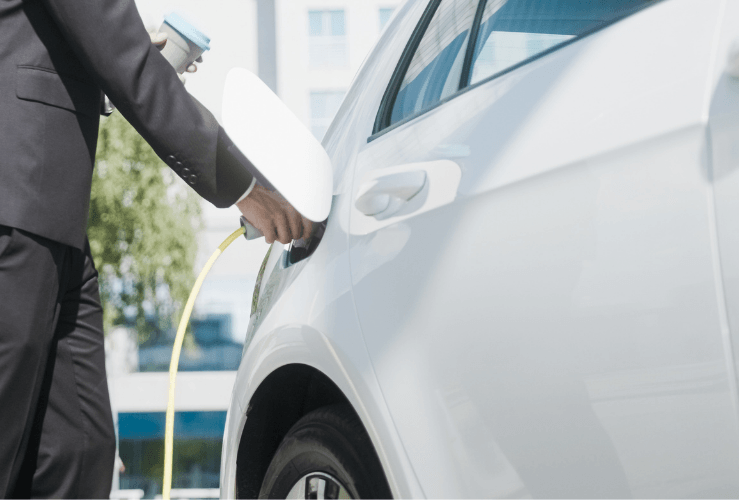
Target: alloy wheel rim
column 318, row 485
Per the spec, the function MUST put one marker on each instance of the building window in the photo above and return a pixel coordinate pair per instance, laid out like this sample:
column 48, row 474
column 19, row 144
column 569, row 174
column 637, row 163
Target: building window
column 323, row 107
column 385, row 16
column 327, row 39
column 213, row 348
column 197, row 461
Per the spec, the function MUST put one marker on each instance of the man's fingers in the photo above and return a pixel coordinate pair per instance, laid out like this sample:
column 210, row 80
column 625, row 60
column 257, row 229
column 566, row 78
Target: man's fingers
column 283, row 229
column 194, row 67
column 270, row 234
column 307, row 228
column 158, row 39
column 274, row 217
column 296, row 224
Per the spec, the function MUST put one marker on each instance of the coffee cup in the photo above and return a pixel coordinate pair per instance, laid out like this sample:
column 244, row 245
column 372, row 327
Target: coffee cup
column 185, row 43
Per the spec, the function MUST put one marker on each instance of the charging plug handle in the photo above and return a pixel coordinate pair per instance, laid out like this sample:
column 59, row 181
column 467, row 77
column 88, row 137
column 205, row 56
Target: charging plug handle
column 250, row 232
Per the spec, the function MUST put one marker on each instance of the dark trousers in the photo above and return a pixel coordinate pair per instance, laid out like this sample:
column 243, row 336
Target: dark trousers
column 57, row 438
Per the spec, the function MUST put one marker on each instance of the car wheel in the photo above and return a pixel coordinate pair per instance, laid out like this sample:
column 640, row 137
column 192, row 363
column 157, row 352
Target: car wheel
column 326, row 454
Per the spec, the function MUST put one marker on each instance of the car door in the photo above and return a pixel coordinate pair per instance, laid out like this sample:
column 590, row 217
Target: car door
column 531, row 252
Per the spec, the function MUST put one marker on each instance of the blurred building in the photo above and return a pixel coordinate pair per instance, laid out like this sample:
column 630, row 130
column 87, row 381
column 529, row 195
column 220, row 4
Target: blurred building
column 308, row 52
column 318, row 47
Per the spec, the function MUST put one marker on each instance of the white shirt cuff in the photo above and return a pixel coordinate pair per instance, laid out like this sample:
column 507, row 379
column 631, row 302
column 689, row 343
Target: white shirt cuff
column 248, row 190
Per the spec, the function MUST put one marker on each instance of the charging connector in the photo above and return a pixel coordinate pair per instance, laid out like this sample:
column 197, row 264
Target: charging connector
column 250, row 232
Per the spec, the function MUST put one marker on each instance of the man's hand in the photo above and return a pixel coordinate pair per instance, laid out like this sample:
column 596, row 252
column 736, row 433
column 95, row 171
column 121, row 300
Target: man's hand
column 274, row 216
column 159, row 40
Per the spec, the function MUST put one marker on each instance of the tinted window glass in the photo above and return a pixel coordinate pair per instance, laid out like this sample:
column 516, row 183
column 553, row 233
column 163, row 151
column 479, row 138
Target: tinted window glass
column 436, row 66
column 515, row 30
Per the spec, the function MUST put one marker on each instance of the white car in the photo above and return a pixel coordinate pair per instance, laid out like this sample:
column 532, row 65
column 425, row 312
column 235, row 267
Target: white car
column 528, row 285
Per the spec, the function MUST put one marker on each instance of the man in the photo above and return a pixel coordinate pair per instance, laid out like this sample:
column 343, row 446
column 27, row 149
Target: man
column 56, row 56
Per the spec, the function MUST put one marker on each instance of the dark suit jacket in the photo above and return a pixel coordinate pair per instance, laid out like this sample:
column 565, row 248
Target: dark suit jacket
column 56, row 56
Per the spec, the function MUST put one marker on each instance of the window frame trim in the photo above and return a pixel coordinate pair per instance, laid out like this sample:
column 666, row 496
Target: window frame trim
column 393, row 88
column 391, row 91
column 464, row 77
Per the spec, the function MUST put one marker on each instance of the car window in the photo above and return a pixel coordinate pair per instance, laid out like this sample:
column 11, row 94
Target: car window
column 458, row 43
column 512, row 31
column 435, row 69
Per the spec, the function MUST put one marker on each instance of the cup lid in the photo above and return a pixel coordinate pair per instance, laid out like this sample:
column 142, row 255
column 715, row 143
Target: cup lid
column 188, row 30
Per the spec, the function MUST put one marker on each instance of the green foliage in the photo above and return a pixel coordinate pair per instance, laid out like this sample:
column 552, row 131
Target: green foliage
column 142, row 229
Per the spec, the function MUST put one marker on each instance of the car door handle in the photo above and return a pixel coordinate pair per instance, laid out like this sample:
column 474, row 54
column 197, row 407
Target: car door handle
column 382, row 197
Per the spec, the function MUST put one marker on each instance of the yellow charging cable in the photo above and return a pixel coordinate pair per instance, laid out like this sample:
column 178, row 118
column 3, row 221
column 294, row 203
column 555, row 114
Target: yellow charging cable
column 174, row 364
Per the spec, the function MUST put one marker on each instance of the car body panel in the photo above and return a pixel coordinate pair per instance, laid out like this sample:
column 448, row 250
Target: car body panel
column 546, row 317
column 723, row 109
column 317, row 326
column 308, row 315
column 554, row 329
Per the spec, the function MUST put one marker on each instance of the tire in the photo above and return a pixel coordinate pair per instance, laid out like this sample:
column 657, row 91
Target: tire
column 328, row 454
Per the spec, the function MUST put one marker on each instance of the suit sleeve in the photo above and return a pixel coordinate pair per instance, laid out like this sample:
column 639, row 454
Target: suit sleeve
column 109, row 38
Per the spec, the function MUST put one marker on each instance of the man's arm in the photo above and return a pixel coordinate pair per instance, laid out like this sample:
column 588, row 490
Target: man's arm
column 110, row 40
column 159, row 40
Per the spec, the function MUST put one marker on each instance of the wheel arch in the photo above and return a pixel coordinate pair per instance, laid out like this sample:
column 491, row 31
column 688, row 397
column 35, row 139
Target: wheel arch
column 283, row 397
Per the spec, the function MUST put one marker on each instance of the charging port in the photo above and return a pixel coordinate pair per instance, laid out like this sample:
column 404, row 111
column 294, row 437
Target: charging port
column 302, row 249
